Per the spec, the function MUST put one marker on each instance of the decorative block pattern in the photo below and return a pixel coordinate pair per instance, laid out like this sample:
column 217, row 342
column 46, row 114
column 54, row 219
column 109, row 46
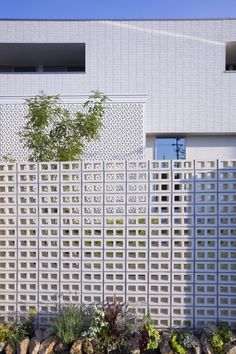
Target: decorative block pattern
column 160, row 235
column 121, row 136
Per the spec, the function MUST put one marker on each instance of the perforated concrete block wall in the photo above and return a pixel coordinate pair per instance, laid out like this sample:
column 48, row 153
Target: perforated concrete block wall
column 159, row 235
column 121, row 136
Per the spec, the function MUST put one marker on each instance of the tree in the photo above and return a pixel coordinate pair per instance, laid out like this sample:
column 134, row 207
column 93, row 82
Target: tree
column 52, row 133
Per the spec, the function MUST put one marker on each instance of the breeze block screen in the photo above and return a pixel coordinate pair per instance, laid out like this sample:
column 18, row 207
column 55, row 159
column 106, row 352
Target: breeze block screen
column 158, row 235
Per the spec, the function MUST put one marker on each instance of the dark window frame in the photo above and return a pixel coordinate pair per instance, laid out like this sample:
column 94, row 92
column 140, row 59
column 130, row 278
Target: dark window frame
column 42, row 58
column 230, row 56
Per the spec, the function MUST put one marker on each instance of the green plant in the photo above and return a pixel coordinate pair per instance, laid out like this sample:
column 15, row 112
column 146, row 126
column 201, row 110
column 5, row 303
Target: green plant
column 52, row 133
column 119, row 221
column 217, row 344
column 27, row 325
column 110, row 328
column 219, row 337
column 149, row 335
column 18, row 330
column 182, row 341
column 8, row 158
column 153, row 335
column 99, row 329
column 4, row 332
column 224, row 332
column 110, row 221
column 178, row 348
column 68, row 326
column 186, row 339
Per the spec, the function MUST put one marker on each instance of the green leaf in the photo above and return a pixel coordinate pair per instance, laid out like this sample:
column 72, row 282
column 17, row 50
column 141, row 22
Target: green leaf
column 52, row 133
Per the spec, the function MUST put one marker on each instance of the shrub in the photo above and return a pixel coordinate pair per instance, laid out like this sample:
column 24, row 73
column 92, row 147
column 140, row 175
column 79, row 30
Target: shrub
column 68, row 326
column 217, row 343
column 17, row 331
column 178, row 348
column 153, row 335
column 110, row 328
column 4, row 333
column 219, row 337
column 224, row 332
column 99, row 329
column 187, row 339
column 182, row 341
column 149, row 335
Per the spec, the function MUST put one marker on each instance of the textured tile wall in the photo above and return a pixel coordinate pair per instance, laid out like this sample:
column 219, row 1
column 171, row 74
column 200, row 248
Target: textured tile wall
column 120, row 138
column 178, row 64
column 159, row 235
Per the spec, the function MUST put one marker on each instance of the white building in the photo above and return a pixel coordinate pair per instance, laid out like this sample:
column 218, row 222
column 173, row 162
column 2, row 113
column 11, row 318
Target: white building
column 158, row 234
column 165, row 78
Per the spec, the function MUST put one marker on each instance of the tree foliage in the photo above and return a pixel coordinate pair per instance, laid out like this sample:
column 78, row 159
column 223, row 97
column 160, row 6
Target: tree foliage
column 52, row 133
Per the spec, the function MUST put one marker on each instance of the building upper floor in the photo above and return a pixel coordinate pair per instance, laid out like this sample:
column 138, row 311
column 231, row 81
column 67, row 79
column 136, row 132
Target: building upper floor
column 186, row 69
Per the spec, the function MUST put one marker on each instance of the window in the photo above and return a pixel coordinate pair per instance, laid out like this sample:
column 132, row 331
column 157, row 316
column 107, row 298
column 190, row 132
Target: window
column 170, row 148
column 42, row 57
column 230, row 56
column 62, row 68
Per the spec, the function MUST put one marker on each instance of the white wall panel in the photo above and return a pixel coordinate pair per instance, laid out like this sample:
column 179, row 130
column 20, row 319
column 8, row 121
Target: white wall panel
column 121, row 136
column 180, row 65
column 160, row 235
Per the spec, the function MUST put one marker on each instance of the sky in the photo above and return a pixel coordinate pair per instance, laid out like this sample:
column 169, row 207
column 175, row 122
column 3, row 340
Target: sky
column 117, row 9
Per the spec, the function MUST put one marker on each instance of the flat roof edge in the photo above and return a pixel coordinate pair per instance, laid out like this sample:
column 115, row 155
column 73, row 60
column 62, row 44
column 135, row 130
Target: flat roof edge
column 123, row 19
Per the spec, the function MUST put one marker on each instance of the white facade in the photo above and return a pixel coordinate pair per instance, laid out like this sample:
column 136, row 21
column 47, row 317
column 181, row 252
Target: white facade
column 158, row 234
column 211, row 146
column 170, row 74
